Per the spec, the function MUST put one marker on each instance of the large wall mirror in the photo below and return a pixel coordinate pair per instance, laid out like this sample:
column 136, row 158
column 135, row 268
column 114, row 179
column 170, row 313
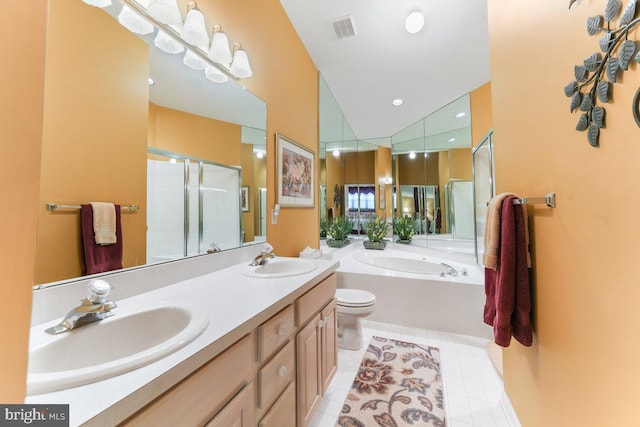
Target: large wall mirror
column 110, row 134
column 433, row 178
column 423, row 171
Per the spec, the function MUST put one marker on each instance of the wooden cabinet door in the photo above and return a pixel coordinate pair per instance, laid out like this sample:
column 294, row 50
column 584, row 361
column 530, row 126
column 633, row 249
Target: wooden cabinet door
column 329, row 356
column 308, row 346
column 238, row 412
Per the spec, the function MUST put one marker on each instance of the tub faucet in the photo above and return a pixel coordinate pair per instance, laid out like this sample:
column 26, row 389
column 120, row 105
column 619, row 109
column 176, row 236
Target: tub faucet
column 449, row 270
column 267, row 252
column 94, row 307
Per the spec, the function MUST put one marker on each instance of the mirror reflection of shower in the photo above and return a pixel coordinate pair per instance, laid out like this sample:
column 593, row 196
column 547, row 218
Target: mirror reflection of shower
column 193, row 206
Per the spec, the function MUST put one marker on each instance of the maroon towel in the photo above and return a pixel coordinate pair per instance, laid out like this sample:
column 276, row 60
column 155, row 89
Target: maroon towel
column 508, row 298
column 99, row 258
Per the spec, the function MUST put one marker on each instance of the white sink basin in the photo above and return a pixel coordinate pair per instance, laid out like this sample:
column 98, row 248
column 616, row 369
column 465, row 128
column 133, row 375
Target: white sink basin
column 134, row 337
column 281, row 267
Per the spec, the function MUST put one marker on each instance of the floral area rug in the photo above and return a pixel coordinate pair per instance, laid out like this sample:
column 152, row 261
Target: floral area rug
column 398, row 384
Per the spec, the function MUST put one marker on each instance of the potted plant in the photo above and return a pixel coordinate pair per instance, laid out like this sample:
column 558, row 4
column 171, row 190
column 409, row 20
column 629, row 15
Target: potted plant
column 323, row 227
column 376, row 229
column 404, row 228
column 339, row 231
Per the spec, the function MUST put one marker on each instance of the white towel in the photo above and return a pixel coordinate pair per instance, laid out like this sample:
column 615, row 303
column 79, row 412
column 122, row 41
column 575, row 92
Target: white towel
column 104, row 223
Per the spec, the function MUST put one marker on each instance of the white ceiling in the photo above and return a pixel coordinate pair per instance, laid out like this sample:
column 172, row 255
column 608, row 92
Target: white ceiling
column 430, row 69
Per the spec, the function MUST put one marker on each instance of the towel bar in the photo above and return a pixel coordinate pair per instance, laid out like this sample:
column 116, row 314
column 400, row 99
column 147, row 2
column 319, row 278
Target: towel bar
column 549, row 200
column 53, row 207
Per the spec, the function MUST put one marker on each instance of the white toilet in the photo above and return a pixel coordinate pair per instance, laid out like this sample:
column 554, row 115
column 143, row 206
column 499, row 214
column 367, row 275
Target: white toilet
column 353, row 304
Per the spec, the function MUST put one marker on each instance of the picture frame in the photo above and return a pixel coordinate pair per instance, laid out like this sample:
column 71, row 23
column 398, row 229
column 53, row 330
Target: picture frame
column 295, row 177
column 244, row 198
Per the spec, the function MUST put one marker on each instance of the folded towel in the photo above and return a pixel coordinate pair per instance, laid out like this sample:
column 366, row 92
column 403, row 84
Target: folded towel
column 99, row 258
column 492, row 231
column 104, row 223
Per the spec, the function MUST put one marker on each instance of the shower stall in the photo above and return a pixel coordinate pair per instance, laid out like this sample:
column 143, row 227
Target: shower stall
column 193, row 206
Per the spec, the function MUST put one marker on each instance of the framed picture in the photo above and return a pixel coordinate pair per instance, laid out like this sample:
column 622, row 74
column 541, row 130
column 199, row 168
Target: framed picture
column 295, row 178
column 382, row 198
column 244, row 193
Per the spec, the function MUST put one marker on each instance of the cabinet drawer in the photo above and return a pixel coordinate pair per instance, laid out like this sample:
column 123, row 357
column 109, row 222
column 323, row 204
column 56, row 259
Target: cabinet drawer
column 275, row 332
column 283, row 412
column 275, row 375
column 198, row 397
column 311, row 302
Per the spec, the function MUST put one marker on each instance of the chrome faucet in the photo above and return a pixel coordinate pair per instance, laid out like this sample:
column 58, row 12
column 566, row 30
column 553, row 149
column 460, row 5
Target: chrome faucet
column 94, row 307
column 449, row 270
column 265, row 255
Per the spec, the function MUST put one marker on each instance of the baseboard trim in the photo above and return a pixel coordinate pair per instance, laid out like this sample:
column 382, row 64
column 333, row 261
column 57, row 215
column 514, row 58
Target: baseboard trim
column 509, row 411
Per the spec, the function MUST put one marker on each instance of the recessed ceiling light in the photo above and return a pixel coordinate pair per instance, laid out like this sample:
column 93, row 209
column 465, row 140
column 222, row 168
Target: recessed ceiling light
column 259, row 154
column 151, row 81
column 336, row 153
column 414, row 22
column 451, row 139
column 397, row 102
column 462, row 114
column 412, row 155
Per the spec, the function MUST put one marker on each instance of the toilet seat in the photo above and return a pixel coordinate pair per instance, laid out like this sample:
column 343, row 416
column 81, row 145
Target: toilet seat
column 355, row 298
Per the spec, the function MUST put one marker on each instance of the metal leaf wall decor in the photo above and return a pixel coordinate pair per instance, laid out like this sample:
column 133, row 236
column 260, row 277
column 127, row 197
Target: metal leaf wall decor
column 596, row 75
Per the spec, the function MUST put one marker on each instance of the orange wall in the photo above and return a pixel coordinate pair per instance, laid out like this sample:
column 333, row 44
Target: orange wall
column 92, row 150
column 359, row 167
column 194, row 136
column 583, row 367
column 418, row 171
column 481, row 113
column 460, row 164
column 21, row 82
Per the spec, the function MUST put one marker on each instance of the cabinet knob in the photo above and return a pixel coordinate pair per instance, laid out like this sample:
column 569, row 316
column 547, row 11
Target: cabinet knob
column 282, row 330
column 282, row 370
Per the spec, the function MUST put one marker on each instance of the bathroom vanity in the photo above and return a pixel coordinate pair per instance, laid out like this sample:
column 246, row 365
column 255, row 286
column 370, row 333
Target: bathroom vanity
column 265, row 359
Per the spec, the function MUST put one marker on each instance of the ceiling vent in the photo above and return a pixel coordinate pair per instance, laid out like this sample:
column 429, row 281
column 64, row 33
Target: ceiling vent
column 344, row 27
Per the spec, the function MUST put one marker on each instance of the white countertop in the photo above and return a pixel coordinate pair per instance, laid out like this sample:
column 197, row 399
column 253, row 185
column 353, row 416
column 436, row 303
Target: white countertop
column 231, row 301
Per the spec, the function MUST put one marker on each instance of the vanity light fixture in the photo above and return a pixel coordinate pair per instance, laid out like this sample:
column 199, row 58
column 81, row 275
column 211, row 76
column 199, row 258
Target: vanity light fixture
column 240, row 66
column 214, row 74
column 134, row 22
column 397, row 102
column 166, row 43
column 412, row 155
column 194, row 30
column 192, row 60
column 165, row 11
column 98, row 3
column 461, row 114
column 414, row 22
column 220, row 51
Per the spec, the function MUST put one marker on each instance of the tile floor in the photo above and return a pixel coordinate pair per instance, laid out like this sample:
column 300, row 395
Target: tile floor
column 472, row 388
